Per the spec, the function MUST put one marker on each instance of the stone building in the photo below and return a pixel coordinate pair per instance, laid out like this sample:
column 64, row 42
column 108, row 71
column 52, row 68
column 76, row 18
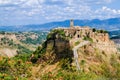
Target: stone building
column 78, row 32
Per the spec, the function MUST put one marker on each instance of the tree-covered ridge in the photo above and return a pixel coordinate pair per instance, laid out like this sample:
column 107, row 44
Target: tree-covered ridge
column 35, row 37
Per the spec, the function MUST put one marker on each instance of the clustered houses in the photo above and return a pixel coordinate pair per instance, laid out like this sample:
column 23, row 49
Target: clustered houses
column 66, row 38
column 77, row 32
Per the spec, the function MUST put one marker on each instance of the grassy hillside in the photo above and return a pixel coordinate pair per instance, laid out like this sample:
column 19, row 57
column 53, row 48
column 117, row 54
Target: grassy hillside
column 21, row 68
column 47, row 63
column 20, row 42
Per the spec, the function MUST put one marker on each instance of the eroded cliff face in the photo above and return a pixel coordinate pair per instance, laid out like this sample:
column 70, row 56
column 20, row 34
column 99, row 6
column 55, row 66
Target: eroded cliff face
column 64, row 39
column 60, row 42
column 57, row 47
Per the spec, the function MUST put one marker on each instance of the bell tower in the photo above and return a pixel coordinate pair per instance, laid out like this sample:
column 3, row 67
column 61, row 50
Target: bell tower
column 71, row 23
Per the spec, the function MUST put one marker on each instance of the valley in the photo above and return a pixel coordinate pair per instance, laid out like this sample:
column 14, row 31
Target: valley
column 13, row 43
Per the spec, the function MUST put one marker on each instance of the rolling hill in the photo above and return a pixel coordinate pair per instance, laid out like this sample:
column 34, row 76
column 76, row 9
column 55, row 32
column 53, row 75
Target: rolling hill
column 13, row 43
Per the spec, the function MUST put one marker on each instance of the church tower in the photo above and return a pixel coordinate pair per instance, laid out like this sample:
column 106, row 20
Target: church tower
column 71, row 23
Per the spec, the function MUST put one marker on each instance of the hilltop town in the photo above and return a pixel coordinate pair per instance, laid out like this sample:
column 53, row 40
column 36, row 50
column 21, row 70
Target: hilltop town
column 76, row 34
column 75, row 49
column 74, row 53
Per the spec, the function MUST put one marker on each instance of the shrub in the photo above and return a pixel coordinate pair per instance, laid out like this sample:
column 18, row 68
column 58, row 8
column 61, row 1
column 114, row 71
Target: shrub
column 59, row 32
column 102, row 31
column 88, row 38
column 65, row 64
column 13, row 68
column 82, row 62
column 22, row 49
column 71, row 75
column 24, row 57
column 76, row 43
column 94, row 30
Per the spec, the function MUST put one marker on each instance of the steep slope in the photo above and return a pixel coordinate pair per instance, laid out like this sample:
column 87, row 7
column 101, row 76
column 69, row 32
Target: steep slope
column 67, row 48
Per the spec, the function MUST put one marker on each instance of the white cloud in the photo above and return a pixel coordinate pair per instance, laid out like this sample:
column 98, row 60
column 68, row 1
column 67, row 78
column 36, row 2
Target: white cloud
column 13, row 2
column 106, row 12
column 5, row 1
column 109, row 10
column 49, row 10
column 108, row 1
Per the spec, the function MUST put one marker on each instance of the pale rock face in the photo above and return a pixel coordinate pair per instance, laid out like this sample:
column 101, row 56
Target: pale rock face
column 8, row 52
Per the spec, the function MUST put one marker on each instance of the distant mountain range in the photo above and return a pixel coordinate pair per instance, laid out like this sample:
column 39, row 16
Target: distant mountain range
column 107, row 24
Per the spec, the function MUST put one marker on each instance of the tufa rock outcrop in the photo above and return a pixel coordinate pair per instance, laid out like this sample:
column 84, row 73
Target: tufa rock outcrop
column 61, row 41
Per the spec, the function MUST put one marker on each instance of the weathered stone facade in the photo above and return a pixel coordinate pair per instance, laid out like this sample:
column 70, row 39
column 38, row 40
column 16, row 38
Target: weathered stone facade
column 78, row 32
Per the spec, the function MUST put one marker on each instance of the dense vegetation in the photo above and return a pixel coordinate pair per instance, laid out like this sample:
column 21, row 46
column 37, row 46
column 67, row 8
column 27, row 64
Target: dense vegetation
column 6, row 41
column 38, row 37
column 99, row 31
column 56, row 33
column 17, row 68
column 20, row 67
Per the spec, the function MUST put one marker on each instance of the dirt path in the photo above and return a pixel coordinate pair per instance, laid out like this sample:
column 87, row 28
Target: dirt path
column 76, row 54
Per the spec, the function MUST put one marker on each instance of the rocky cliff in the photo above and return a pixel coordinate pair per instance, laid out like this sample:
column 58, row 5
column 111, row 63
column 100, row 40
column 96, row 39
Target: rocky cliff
column 85, row 49
column 60, row 42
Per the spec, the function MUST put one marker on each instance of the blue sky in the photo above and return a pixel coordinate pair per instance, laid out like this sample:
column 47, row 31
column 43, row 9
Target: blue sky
column 20, row 12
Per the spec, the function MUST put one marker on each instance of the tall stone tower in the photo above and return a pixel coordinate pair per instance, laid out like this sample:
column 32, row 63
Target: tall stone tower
column 71, row 23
